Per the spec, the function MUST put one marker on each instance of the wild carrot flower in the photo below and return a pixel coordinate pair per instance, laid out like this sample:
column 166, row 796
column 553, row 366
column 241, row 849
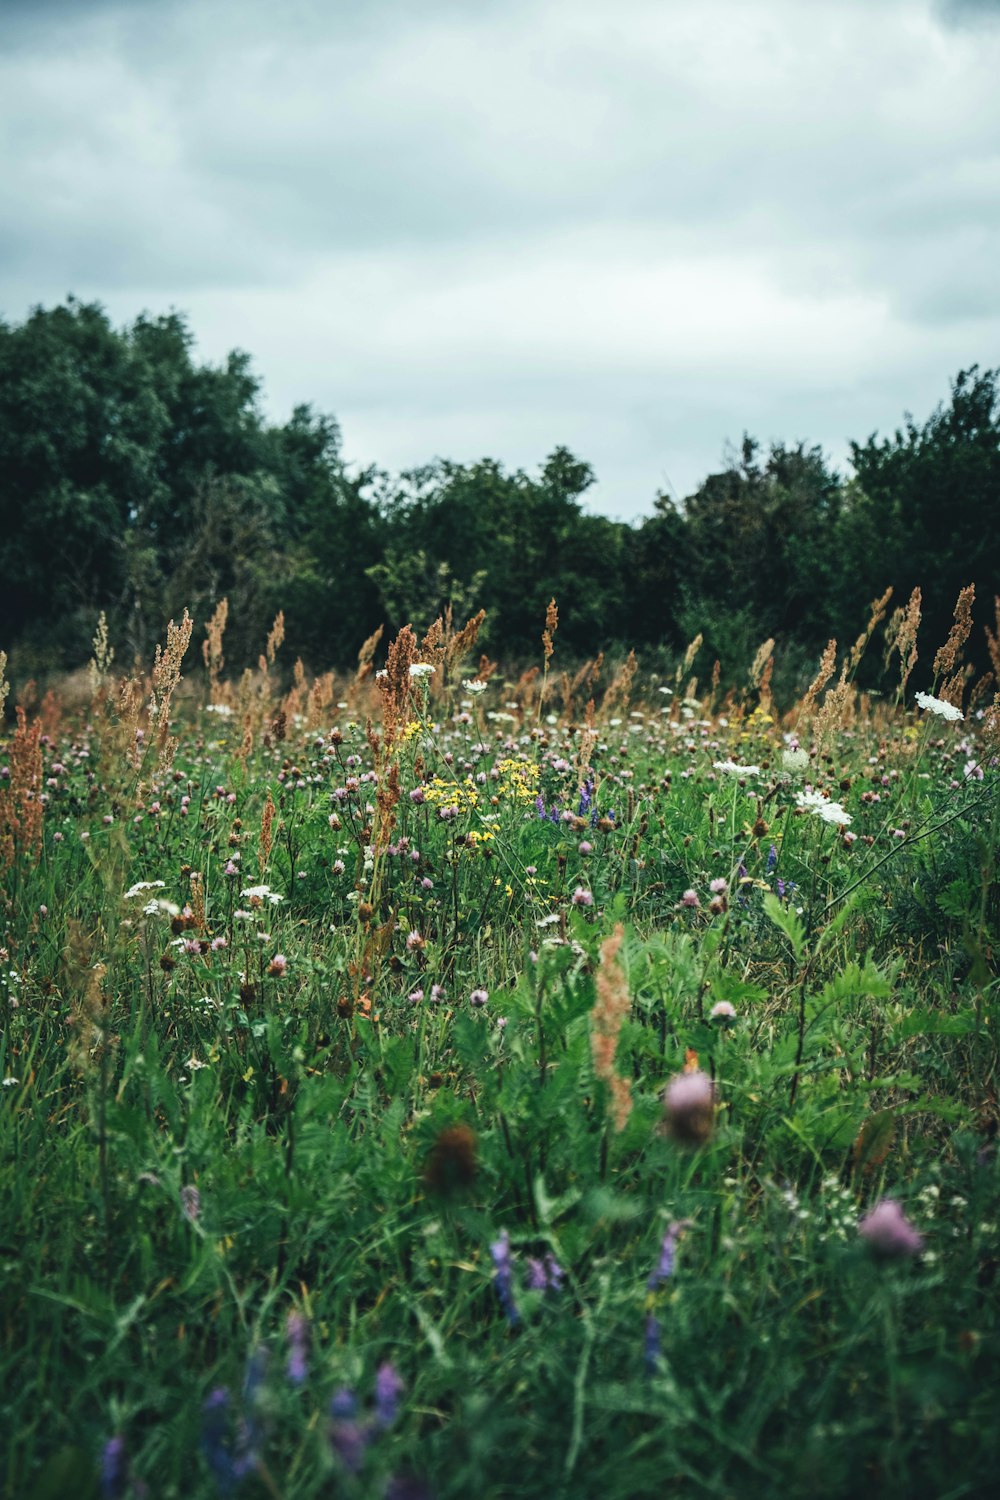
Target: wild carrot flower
column 689, row 1106
column 889, row 1233
column 939, row 706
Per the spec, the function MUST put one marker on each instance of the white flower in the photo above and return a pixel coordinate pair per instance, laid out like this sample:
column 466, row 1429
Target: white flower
column 831, row 812
column 10, row 1082
column 262, row 893
column 421, row 669
column 730, row 768
column 157, row 908
column 475, row 686
column 141, row 886
column 222, row 709
column 939, row 706
column 795, row 761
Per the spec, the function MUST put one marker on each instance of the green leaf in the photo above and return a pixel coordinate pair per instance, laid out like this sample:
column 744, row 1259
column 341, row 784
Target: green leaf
column 787, row 921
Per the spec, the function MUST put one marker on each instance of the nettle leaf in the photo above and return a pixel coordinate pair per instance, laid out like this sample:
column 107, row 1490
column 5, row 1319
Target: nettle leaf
column 787, row 921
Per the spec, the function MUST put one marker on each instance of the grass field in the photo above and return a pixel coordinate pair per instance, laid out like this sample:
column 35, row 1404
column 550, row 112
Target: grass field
column 422, row 1085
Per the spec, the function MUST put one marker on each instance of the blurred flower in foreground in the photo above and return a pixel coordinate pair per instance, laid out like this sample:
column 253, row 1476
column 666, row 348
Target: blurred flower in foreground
column 889, row 1233
column 689, row 1107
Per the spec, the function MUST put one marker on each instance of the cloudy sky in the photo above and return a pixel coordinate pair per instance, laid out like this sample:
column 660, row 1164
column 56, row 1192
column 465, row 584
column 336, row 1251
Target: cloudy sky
column 470, row 227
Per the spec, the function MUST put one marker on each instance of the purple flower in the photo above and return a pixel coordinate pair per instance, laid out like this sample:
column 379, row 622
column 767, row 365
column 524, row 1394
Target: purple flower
column 651, row 1344
column 582, row 897
column 349, row 1438
column 545, row 1274
column 889, row 1233
column 478, row 998
column 114, row 1469
column 503, row 1278
column 772, row 858
column 389, row 1386
column 298, row 1348
column 664, row 1268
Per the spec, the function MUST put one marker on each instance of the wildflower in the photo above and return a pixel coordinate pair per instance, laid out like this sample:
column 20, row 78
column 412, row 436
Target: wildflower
column 298, row 1347
column 415, row 996
column 651, row 1342
column 584, row 847
column 349, row 1438
column 503, row 1277
column 339, row 867
column 10, row 1082
column 831, row 812
column 388, row 1388
column 141, row 886
column 478, row 998
column 731, row 768
column 723, row 1010
column 217, row 944
column 582, row 897
column 720, row 886
column 689, row 898
column 939, row 706
column 795, row 761
column 421, row 669
column 689, row 1105
column 545, row 1274
column 889, row 1233
column 475, row 686
column 260, row 893
column 437, row 992
column 278, row 966
column 664, row 1268
column 114, row 1469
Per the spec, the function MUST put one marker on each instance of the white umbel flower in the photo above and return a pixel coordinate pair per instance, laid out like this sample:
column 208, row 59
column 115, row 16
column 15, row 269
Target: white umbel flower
column 421, row 669
column 730, row 768
column 814, row 802
column 940, row 707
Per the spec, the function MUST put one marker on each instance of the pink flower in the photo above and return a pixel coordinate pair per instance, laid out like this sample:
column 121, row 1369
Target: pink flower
column 689, row 1106
column 582, row 897
column 723, row 1010
column 689, row 898
column 888, row 1231
column 718, row 887
column 278, row 965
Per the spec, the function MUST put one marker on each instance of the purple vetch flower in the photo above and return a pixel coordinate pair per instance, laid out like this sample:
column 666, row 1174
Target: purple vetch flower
column 389, row 1386
column 297, row 1329
column 889, row 1233
column 664, row 1268
column 772, row 858
column 503, row 1278
column 545, row 1274
column 114, row 1469
column 651, row 1344
column 228, row 1467
column 349, row 1438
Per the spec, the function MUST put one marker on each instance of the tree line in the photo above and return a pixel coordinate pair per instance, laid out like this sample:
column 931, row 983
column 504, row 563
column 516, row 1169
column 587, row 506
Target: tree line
column 137, row 480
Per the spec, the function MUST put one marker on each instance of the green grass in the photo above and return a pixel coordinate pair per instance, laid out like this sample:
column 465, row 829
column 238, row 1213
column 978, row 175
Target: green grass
column 309, row 1104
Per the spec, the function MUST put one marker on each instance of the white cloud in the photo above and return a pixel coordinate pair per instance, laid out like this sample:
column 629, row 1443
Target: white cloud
column 492, row 229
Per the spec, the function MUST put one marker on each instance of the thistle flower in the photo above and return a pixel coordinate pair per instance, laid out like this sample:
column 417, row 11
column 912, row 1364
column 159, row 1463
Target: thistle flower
column 722, row 1010
column 689, row 1106
column 582, row 897
column 689, row 898
column 479, row 998
column 888, row 1232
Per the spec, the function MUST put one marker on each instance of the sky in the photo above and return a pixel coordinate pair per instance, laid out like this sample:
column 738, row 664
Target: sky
column 468, row 228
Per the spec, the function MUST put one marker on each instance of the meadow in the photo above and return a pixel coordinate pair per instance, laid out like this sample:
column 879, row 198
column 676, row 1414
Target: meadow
column 430, row 1083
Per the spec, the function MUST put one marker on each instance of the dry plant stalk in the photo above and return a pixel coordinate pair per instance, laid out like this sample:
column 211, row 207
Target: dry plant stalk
column 551, row 625
column 992, row 642
column 4, row 684
column 211, row 646
column 588, row 739
column 611, row 1008
column 901, row 637
column 275, row 637
column 266, row 831
column 837, row 709
column 104, row 655
column 21, row 808
column 760, row 662
column 394, row 686
column 950, row 653
column 878, row 609
column 366, row 655
column 620, row 686
column 827, row 663
column 689, row 656
column 445, row 648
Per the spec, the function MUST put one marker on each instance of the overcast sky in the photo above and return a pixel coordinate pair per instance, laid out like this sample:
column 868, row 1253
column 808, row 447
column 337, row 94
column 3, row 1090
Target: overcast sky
column 488, row 227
